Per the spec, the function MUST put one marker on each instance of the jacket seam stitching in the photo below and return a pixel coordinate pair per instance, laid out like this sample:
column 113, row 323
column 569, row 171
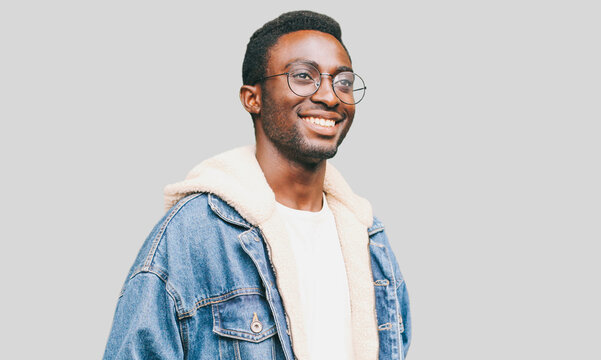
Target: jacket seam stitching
column 371, row 242
column 224, row 297
column 168, row 287
column 400, row 283
column 174, row 297
column 223, row 216
column 265, row 334
column 184, row 335
column 277, row 319
column 159, row 236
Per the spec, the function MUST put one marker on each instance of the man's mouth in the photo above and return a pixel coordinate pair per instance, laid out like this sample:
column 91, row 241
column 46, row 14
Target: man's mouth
column 328, row 123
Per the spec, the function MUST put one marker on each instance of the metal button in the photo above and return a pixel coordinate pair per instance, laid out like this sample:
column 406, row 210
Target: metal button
column 256, row 325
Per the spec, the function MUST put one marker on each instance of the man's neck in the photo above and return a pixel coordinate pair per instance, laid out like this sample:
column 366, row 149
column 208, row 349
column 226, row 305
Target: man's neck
column 296, row 184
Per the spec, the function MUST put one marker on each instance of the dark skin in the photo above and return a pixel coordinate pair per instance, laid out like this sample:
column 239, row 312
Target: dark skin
column 291, row 150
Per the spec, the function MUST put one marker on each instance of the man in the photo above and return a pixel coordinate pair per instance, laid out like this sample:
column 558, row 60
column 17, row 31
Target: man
column 265, row 252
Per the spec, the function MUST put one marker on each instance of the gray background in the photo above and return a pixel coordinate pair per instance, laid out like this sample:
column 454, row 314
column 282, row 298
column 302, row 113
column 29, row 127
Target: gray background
column 477, row 144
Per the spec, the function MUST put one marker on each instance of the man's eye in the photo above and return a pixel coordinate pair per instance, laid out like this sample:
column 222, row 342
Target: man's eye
column 344, row 85
column 302, row 76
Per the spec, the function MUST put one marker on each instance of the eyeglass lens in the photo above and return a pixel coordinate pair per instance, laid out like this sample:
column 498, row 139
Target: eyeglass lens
column 304, row 80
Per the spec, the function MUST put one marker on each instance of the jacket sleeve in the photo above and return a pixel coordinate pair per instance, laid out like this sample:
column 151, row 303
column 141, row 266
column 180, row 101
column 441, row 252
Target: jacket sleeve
column 145, row 325
column 403, row 297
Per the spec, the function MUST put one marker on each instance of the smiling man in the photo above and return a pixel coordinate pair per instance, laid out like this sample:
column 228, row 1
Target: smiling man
column 265, row 252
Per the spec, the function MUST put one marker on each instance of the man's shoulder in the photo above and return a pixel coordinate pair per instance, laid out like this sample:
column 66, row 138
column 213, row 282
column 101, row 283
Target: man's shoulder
column 196, row 236
column 195, row 224
column 186, row 211
column 180, row 217
column 196, row 220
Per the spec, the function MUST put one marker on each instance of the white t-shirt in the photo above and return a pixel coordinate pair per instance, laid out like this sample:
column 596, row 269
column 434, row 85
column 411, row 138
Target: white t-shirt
column 323, row 282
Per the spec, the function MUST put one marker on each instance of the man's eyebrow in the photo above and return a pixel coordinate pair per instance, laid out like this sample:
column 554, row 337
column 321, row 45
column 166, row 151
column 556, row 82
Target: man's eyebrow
column 344, row 68
column 316, row 65
column 302, row 61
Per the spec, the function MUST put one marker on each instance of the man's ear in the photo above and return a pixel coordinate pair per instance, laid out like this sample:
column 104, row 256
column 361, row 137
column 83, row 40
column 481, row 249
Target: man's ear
column 250, row 96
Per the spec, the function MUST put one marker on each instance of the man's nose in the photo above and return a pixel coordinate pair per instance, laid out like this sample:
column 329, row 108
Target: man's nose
column 325, row 94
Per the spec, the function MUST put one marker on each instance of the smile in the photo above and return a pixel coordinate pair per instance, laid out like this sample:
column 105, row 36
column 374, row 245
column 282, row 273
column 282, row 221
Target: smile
column 320, row 121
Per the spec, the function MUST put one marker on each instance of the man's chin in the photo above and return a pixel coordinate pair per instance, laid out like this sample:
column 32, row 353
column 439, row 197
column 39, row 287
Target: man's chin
column 315, row 154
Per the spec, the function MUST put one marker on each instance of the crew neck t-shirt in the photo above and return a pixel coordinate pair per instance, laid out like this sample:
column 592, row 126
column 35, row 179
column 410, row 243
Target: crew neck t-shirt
column 322, row 280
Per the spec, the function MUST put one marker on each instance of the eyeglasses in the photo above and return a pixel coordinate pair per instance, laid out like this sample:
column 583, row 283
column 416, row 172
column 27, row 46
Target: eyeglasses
column 305, row 79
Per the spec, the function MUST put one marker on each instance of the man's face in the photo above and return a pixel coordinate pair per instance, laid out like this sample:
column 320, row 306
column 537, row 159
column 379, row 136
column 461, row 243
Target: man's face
column 293, row 123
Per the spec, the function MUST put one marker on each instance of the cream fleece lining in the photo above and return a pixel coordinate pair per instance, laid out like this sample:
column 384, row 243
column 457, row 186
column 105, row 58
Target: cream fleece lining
column 236, row 177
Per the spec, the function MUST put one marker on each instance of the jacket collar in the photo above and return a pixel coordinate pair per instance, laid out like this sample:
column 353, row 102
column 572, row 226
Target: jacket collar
column 226, row 212
column 236, row 177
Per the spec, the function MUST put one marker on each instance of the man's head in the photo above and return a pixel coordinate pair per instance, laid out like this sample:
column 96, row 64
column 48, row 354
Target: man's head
column 257, row 50
column 305, row 127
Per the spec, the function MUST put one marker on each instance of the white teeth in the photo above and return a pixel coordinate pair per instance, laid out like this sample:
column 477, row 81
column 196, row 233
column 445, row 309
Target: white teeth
column 321, row 122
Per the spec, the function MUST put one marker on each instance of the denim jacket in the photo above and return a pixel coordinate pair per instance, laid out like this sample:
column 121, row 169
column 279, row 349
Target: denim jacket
column 215, row 279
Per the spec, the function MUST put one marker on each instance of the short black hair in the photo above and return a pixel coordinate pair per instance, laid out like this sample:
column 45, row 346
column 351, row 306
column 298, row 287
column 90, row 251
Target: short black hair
column 256, row 56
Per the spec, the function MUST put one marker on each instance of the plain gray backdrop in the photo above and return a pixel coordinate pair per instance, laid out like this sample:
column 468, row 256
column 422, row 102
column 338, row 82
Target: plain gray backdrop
column 477, row 145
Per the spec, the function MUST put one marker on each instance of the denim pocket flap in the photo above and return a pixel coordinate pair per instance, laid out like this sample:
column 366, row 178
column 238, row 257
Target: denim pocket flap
column 244, row 317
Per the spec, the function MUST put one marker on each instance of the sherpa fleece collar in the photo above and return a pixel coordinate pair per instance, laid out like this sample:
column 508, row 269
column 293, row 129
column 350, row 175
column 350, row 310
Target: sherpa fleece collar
column 236, row 177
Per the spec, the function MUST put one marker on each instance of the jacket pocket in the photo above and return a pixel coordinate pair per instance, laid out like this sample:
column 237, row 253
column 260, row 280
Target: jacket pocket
column 245, row 327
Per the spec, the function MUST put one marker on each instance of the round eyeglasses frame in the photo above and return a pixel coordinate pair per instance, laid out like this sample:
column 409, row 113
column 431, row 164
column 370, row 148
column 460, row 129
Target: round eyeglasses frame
column 318, row 84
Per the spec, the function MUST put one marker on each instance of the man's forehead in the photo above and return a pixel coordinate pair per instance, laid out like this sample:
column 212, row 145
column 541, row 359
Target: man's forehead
column 310, row 46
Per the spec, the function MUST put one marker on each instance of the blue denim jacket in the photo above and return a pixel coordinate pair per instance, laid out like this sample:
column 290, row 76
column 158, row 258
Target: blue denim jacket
column 203, row 286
